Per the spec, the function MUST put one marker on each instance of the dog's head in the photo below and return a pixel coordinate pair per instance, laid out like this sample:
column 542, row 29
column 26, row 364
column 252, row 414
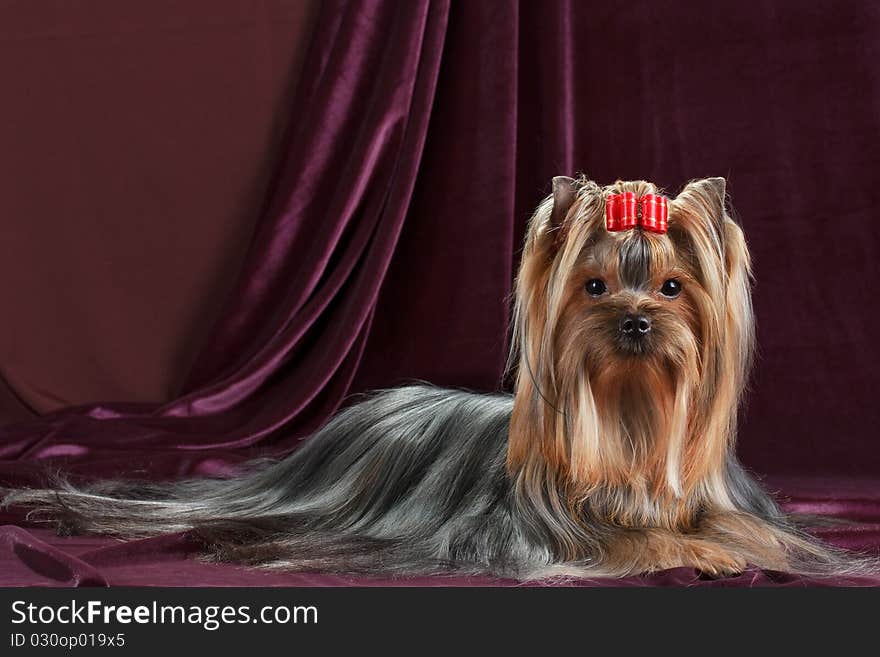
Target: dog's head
column 633, row 333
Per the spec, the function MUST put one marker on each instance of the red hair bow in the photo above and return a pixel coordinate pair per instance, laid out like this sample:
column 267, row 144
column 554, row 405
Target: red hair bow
column 625, row 211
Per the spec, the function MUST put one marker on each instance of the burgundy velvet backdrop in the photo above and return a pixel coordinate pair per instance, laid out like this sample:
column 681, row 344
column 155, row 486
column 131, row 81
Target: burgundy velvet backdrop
column 427, row 131
column 136, row 143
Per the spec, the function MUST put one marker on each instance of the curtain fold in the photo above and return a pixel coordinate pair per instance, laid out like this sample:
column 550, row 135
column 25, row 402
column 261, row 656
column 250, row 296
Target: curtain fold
column 289, row 343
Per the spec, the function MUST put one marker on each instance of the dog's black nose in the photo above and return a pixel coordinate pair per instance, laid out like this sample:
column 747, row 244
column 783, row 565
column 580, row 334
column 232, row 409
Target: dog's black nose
column 635, row 326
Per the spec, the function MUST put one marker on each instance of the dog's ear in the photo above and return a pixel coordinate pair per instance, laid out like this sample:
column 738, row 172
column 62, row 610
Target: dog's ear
column 708, row 196
column 564, row 193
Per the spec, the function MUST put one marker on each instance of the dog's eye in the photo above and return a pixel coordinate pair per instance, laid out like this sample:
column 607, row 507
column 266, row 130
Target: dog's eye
column 596, row 287
column 671, row 288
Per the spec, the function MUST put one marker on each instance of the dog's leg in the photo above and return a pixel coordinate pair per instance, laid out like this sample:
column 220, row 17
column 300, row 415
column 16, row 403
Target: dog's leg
column 636, row 551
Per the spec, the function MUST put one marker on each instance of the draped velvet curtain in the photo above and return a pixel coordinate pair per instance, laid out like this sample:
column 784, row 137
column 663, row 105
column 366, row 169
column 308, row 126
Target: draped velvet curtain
column 425, row 132
column 136, row 142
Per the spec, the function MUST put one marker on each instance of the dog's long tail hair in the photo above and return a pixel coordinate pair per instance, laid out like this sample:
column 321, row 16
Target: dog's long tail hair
column 389, row 485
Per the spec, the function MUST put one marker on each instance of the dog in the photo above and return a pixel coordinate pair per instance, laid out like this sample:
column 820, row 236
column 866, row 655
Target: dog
column 632, row 340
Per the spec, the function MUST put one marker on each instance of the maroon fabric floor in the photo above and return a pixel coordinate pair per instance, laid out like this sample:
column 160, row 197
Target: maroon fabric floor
column 35, row 556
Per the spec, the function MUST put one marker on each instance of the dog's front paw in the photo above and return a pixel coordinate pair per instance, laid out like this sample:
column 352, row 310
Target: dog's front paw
column 715, row 562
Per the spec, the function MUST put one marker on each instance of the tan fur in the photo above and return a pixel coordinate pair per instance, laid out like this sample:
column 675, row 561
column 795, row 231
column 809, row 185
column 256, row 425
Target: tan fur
column 640, row 441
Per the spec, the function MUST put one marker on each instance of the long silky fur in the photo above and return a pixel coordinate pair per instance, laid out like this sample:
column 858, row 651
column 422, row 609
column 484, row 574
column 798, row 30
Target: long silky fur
column 597, row 466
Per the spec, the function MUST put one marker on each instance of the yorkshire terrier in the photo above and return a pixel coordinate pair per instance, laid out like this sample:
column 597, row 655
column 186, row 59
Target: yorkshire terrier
column 633, row 335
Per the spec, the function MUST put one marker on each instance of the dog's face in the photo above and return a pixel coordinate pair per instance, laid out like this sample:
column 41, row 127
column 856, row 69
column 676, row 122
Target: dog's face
column 630, row 304
column 619, row 304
